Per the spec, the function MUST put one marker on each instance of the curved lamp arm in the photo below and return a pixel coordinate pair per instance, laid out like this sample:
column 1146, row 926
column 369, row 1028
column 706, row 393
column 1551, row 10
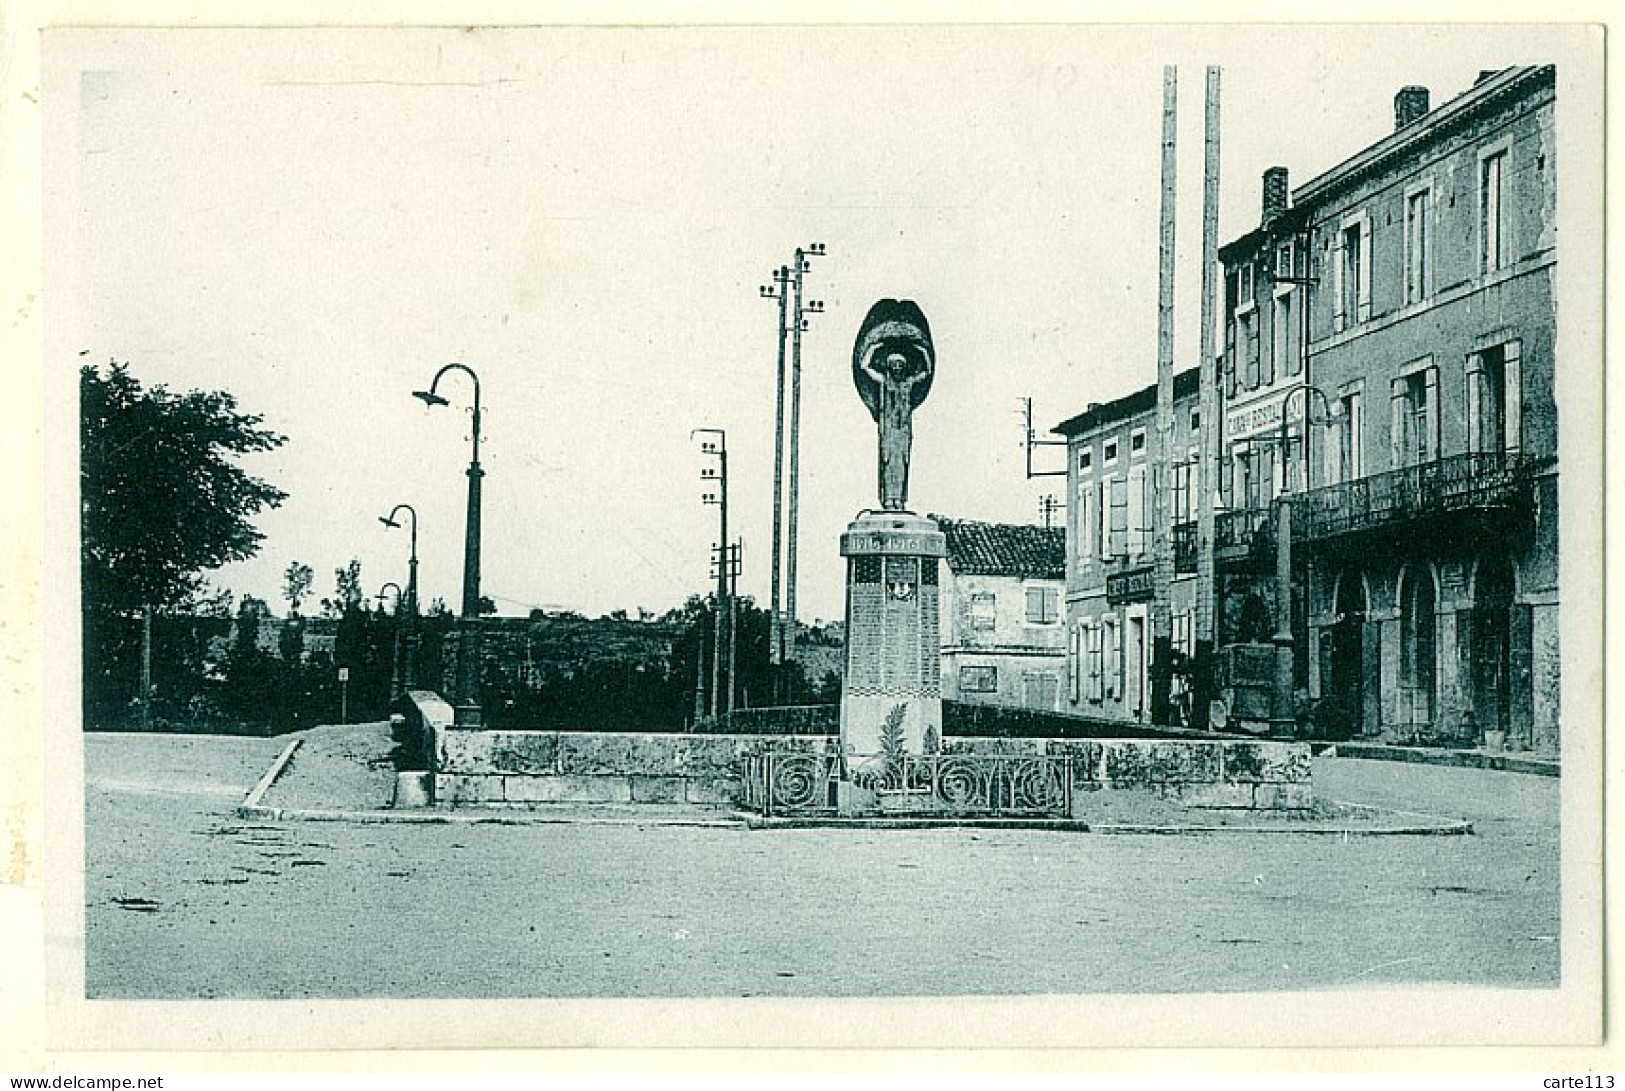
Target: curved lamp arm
column 432, row 397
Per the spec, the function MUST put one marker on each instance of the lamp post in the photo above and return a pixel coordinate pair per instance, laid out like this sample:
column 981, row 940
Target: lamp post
column 466, row 707
column 718, row 448
column 409, row 668
column 395, row 689
column 1284, row 442
column 1284, row 647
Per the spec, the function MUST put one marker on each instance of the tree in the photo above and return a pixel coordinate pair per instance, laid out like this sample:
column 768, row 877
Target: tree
column 348, row 595
column 162, row 497
column 162, row 501
column 296, row 584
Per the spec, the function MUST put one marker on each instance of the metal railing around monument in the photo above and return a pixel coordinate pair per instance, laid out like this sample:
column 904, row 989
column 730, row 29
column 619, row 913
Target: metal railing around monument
column 790, row 783
column 956, row 785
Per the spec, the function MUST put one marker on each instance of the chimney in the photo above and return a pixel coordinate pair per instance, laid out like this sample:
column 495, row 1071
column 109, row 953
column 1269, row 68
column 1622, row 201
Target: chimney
column 1486, row 73
column 1410, row 104
column 1275, row 194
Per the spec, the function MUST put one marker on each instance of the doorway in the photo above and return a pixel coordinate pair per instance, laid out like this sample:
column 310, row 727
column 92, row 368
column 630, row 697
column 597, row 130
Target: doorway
column 1134, row 684
column 1343, row 709
column 1492, row 645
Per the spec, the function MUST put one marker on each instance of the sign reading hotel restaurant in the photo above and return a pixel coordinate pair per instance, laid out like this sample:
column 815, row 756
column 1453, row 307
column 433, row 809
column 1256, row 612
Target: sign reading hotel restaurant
column 1263, row 415
column 1132, row 586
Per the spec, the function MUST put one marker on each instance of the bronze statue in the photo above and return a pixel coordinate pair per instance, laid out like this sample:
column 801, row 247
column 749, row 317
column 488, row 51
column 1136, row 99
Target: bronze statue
column 892, row 364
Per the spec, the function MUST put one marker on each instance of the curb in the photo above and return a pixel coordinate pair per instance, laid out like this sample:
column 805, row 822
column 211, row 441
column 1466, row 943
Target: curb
column 1432, row 826
column 1454, row 829
column 1459, row 759
column 250, row 806
column 466, row 818
column 813, row 822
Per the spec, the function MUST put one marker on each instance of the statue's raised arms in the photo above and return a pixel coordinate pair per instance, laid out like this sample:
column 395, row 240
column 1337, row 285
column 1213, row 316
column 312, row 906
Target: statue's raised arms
column 892, row 364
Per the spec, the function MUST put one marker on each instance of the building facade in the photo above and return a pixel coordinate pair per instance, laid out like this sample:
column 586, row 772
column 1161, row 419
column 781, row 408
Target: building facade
column 1003, row 631
column 1110, row 553
column 1387, row 372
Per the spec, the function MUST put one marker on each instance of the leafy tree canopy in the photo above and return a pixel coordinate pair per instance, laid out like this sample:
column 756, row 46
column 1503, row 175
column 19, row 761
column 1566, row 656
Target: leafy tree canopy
column 348, row 594
column 296, row 583
column 162, row 496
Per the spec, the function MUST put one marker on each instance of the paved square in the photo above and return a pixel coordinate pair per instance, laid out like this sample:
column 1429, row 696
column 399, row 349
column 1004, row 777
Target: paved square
column 186, row 900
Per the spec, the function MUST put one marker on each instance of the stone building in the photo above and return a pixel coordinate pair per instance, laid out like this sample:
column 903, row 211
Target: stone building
column 1002, row 629
column 1110, row 559
column 1397, row 312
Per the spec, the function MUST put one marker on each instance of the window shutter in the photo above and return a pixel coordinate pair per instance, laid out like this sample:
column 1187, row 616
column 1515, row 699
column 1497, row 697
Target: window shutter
column 1339, row 319
column 1475, row 403
column 1430, row 413
column 1119, row 534
column 1514, row 398
column 1102, row 520
column 1074, row 639
column 1136, row 510
column 1364, row 287
column 1397, row 426
column 1085, row 529
column 1114, row 661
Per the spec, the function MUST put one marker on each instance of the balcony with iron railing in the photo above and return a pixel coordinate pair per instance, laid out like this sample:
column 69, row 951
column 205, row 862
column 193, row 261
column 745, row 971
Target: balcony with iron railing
column 1484, row 482
column 1184, row 547
column 1239, row 532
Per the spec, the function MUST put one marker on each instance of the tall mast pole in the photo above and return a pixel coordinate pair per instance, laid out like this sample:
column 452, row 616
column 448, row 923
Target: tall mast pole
column 781, row 279
column 1162, row 576
column 787, row 635
column 1207, row 464
column 801, row 309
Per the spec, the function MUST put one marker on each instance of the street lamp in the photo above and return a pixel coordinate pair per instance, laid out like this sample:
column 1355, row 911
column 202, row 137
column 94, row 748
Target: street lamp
column 1282, row 639
column 395, row 655
column 1284, row 442
column 409, row 672
column 466, row 707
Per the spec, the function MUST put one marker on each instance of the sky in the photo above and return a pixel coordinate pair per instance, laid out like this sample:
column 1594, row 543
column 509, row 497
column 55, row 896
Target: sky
column 316, row 221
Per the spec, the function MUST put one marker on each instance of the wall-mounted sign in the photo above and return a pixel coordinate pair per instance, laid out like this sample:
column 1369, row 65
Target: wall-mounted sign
column 1132, row 586
column 1255, row 418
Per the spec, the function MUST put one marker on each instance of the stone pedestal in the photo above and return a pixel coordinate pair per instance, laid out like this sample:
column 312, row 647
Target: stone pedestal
column 893, row 650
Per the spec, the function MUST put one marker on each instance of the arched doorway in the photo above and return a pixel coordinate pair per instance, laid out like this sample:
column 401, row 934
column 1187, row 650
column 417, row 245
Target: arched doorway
column 1418, row 648
column 1342, row 709
column 1492, row 645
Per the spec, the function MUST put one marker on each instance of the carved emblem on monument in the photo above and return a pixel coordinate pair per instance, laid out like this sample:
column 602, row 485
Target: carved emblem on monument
column 893, row 362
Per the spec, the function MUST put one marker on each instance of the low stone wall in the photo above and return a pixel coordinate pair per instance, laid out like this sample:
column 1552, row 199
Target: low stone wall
column 597, row 767
column 535, row 767
column 1230, row 773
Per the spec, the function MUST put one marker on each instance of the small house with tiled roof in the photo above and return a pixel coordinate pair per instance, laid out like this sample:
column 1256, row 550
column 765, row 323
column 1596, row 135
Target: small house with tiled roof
column 1003, row 632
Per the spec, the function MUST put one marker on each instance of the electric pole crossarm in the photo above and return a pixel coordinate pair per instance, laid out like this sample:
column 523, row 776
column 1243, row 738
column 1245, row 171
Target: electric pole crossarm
column 802, row 307
column 716, row 446
column 1031, row 440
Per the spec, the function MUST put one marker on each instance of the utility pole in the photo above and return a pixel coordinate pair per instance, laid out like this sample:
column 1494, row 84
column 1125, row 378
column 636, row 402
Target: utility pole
column 1048, row 505
column 146, row 668
column 1162, row 573
column 1031, row 440
column 717, row 448
column 1207, row 464
column 780, row 290
column 801, row 309
column 736, row 561
column 699, row 676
